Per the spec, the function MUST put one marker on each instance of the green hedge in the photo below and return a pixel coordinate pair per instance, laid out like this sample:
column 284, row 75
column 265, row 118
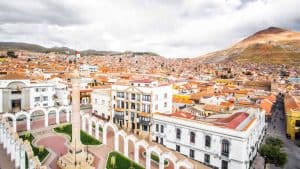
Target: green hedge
column 41, row 154
column 85, row 138
column 156, row 158
column 121, row 162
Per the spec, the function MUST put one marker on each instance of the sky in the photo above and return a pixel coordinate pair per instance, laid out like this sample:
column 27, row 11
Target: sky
column 171, row 28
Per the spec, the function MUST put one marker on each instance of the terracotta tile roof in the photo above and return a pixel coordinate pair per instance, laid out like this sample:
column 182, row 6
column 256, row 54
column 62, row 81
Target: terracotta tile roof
column 13, row 76
column 266, row 105
column 232, row 121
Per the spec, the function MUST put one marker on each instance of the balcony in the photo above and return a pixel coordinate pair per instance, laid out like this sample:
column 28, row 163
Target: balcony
column 119, row 109
column 144, row 122
column 119, row 116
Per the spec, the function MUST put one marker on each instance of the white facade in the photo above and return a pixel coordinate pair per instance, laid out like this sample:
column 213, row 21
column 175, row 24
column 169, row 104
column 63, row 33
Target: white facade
column 134, row 104
column 101, row 104
column 20, row 94
column 241, row 148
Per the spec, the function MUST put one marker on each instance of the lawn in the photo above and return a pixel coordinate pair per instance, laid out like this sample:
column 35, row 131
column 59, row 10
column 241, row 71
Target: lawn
column 155, row 158
column 41, row 153
column 118, row 161
column 85, row 138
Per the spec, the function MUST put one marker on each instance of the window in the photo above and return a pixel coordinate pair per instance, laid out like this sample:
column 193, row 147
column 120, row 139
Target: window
column 157, row 127
column 45, row 98
column 161, row 141
column 156, row 107
column 225, row 147
column 177, row 148
column 224, row 164
column 207, row 141
column 146, row 98
column 145, row 128
column 16, row 92
column 192, row 137
column 178, row 133
column 132, row 96
column 36, row 89
column 44, row 89
column 161, row 128
column 192, row 153
column 45, row 104
column 37, row 99
column 166, row 95
column 206, row 158
column 165, row 104
column 102, row 102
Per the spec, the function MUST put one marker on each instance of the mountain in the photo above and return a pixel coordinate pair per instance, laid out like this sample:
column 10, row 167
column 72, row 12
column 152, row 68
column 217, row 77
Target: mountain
column 272, row 45
column 38, row 48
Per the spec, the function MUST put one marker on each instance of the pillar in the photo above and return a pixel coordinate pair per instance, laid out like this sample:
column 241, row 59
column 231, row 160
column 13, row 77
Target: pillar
column 28, row 123
column 15, row 125
column 97, row 131
column 104, row 135
column 90, row 129
column 17, row 155
column 13, row 148
column 148, row 159
column 7, row 143
column 57, row 117
column 68, row 116
column 1, row 133
column 46, row 119
column 22, row 157
column 4, row 137
column 161, row 162
column 83, row 123
column 136, row 154
column 126, row 147
column 116, row 142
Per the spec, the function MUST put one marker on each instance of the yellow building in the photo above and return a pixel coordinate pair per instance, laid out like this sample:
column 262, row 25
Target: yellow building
column 292, row 111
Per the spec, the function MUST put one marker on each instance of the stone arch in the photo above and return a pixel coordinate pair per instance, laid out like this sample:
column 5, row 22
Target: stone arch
column 11, row 117
column 129, row 152
column 105, row 131
column 156, row 151
column 50, row 118
column 99, row 124
column 37, row 121
column 138, row 145
column 23, row 125
column 62, row 114
column 184, row 164
column 120, row 138
column 172, row 159
column 92, row 126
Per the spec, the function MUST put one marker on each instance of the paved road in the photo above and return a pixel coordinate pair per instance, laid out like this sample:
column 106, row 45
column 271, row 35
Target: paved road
column 276, row 128
column 5, row 162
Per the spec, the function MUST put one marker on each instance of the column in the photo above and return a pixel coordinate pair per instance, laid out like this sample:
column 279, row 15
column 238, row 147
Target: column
column 126, row 147
column 161, row 162
column 148, row 159
column 1, row 133
column 15, row 125
column 17, row 155
column 90, row 129
column 46, row 119
column 68, row 116
column 7, row 143
column 97, row 132
column 116, row 142
column 22, row 157
column 83, row 123
column 4, row 137
column 57, row 117
column 136, row 153
column 104, row 136
column 28, row 123
column 12, row 152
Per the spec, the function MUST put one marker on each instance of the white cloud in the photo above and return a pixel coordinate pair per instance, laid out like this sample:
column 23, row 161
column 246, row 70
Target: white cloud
column 172, row 28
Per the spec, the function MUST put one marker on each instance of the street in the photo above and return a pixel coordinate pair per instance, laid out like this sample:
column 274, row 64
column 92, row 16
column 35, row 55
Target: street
column 276, row 128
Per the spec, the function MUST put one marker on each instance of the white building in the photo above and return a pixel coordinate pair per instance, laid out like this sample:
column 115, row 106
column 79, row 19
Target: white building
column 134, row 103
column 88, row 68
column 19, row 94
column 226, row 142
column 101, row 103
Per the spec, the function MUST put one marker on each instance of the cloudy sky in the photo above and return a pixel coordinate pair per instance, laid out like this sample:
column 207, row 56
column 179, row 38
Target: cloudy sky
column 172, row 28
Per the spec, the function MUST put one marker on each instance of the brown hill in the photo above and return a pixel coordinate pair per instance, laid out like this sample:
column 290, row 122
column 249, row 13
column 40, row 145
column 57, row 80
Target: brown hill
column 272, row 45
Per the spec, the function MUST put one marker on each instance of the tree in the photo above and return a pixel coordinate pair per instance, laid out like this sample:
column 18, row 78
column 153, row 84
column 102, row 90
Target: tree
column 271, row 152
column 11, row 54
